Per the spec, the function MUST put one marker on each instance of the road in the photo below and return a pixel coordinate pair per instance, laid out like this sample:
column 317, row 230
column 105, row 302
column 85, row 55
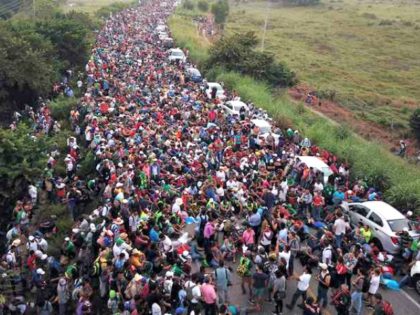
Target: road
column 404, row 302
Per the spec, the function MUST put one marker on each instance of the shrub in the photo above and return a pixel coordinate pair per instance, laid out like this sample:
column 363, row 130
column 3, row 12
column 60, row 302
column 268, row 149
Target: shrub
column 220, row 10
column 203, row 6
column 61, row 107
column 237, row 53
column 415, row 123
column 188, row 5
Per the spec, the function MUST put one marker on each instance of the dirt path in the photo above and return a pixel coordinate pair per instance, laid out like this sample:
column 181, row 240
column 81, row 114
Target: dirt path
column 339, row 114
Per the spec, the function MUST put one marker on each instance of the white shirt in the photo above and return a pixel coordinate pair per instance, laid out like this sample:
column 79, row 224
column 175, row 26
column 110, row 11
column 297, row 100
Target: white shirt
column 220, row 191
column 318, row 187
column 167, row 244
column 327, row 255
column 340, row 226
column 374, row 284
column 304, row 280
column 286, row 257
column 156, row 310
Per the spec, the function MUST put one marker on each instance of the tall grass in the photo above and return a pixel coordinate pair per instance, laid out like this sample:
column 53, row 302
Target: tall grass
column 399, row 180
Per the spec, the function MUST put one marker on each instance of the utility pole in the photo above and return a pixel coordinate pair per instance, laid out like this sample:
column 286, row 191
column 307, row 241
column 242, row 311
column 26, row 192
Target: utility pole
column 265, row 25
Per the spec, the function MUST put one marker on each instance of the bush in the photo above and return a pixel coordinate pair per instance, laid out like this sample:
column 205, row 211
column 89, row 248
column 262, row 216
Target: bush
column 188, row 5
column 203, row 6
column 237, row 53
column 61, row 107
column 113, row 8
column 220, row 10
column 415, row 123
column 87, row 167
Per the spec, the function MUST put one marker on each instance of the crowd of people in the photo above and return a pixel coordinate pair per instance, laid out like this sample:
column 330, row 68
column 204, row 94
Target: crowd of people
column 189, row 199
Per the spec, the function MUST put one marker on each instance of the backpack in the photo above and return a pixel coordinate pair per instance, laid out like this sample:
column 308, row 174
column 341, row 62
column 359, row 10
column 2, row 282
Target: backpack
column 242, row 268
column 388, row 310
column 366, row 285
column 189, row 291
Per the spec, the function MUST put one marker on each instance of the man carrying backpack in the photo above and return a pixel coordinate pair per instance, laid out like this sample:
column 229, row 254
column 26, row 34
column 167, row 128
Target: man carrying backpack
column 360, row 283
column 193, row 290
column 382, row 307
column 341, row 300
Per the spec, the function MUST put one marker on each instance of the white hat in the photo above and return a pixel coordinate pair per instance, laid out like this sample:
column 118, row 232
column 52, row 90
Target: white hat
column 409, row 213
column 67, row 239
column 405, row 229
column 169, row 274
column 31, row 238
column 40, row 271
column 323, row 266
column 44, row 256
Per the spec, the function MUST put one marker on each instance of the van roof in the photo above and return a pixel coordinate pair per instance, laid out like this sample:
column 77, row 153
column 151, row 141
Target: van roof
column 317, row 163
column 261, row 123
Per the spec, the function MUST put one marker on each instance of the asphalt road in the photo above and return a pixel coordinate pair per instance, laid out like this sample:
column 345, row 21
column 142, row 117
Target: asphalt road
column 404, row 302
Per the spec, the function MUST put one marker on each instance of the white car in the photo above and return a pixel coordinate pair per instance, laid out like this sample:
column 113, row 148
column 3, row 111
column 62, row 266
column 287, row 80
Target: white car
column 264, row 130
column 160, row 28
column 234, row 107
column 415, row 275
column 176, row 54
column 163, row 35
column 384, row 220
column 220, row 92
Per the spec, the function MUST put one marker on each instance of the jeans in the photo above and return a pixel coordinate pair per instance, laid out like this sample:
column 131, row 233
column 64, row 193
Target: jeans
column 222, row 296
column 316, row 213
column 406, row 280
column 322, row 296
column 356, row 303
column 209, row 309
column 296, row 295
column 338, row 240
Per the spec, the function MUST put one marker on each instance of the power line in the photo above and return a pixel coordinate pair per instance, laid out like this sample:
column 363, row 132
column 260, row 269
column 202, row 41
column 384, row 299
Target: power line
column 4, row 10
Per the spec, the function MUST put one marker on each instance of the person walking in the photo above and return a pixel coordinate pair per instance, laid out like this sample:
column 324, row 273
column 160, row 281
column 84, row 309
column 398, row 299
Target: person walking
column 222, row 277
column 302, row 286
column 324, row 280
column 279, row 291
column 259, row 283
column 209, row 296
column 357, row 294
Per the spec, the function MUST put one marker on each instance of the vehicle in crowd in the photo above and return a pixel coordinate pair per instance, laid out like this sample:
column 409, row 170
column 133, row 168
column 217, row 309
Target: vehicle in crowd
column 265, row 130
column 220, row 92
column 317, row 164
column 234, row 107
column 415, row 275
column 168, row 42
column 163, row 35
column 193, row 74
column 384, row 220
column 160, row 28
column 176, row 54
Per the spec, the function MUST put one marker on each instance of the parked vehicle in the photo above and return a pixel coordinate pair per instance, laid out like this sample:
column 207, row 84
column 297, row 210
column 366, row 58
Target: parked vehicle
column 168, row 42
column 317, row 164
column 384, row 220
column 220, row 92
column 176, row 54
column 264, row 130
column 415, row 276
column 193, row 74
column 234, row 107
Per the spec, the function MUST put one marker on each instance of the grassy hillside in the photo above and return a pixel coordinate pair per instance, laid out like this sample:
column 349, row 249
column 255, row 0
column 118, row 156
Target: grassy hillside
column 89, row 6
column 400, row 180
column 366, row 51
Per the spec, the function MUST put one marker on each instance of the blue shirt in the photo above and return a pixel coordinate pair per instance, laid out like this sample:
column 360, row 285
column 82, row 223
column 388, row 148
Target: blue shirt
column 154, row 236
column 255, row 219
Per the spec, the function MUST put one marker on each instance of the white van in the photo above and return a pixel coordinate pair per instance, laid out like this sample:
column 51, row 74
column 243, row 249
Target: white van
column 317, row 164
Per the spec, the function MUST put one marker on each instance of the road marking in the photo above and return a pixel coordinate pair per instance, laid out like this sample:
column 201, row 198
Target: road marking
column 410, row 298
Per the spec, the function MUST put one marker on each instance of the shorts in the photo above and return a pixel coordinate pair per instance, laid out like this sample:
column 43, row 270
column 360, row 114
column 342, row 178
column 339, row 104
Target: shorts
column 259, row 292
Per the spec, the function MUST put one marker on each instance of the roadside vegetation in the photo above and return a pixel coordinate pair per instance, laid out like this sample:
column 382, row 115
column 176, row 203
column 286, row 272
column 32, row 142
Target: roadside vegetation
column 360, row 54
column 399, row 180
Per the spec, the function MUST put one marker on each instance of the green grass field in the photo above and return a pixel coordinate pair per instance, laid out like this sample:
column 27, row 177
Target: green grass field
column 367, row 51
column 89, row 6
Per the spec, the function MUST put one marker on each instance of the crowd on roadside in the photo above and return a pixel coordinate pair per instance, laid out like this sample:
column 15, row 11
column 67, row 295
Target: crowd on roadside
column 188, row 197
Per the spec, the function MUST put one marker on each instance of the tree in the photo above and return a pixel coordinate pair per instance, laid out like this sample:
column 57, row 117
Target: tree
column 203, row 5
column 237, row 53
column 220, row 10
column 415, row 123
column 188, row 5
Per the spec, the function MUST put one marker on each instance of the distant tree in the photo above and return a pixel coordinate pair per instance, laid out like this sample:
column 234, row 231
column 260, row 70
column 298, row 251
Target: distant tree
column 220, row 10
column 203, row 5
column 237, row 53
column 188, row 5
column 415, row 123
